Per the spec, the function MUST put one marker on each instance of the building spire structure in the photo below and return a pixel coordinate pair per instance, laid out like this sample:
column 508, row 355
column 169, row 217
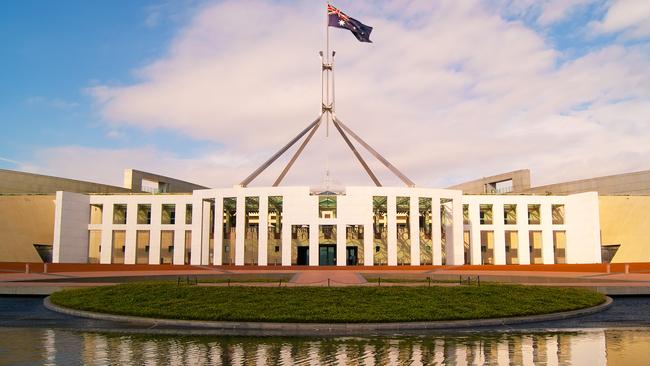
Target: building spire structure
column 327, row 113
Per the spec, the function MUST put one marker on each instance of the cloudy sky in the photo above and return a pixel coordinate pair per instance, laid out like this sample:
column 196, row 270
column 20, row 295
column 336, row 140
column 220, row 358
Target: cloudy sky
column 207, row 90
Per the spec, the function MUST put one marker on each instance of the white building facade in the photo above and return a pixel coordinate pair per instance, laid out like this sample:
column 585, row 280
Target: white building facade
column 286, row 226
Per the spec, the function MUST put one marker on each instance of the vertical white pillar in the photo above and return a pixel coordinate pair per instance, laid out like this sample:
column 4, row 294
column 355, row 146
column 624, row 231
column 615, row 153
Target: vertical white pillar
column 154, row 234
column 475, row 234
column 341, row 244
column 106, row 245
column 313, row 243
column 240, row 232
column 391, row 229
column 368, row 242
column 499, row 233
column 548, row 253
column 503, row 353
column 455, row 247
column 436, row 233
column 217, row 256
column 286, row 244
column 414, row 230
column 263, row 232
column 179, row 235
column 131, row 221
column 523, row 245
column 197, row 234
column 205, row 233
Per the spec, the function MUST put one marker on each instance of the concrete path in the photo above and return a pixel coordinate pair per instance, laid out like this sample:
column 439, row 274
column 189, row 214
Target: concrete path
column 336, row 278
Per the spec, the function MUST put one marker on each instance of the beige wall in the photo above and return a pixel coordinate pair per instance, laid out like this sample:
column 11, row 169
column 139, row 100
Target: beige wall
column 133, row 181
column 520, row 182
column 637, row 183
column 25, row 220
column 625, row 220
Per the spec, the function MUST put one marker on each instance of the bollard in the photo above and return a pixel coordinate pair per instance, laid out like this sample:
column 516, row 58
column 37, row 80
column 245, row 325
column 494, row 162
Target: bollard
column 229, row 282
column 26, row 267
column 328, row 282
column 627, row 268
column 379, row 281
column 280, row 283
column 478, row 280
column 429, row 279
column 178, row 281
column 460, row 279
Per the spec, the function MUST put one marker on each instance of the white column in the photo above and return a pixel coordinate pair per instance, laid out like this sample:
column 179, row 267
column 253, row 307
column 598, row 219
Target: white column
column 475, row 233
column 499, row 234
column 263, row 232
column 179, row 235
column 313, row 244
column 205, row 233
column 197, row 235
column 341, row 243
column 286, row 244
column 391, row 229
column 523, row 245
column 548, row 254
column 414, row 230
column 503, row 353
column 129, row 241
column 154, row 234
column 436, row 233
column 455, row 249
column 240, row 232
column 106, row 245
column 368, row 243
column 218, row 232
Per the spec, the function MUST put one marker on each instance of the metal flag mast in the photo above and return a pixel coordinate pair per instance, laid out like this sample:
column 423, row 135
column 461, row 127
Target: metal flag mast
column 327, row 108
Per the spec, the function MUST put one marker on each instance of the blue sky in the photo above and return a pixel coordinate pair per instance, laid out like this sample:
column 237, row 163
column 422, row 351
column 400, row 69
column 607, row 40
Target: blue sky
column 174, row 87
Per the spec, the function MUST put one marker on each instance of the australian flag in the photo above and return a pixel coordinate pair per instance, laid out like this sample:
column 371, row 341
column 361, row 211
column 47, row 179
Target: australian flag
column 339, row 19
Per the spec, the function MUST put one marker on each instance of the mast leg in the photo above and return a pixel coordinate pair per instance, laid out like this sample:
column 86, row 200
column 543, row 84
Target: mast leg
column 275, row 156
column 297, row 154
column 356, row 153
column 374, row 152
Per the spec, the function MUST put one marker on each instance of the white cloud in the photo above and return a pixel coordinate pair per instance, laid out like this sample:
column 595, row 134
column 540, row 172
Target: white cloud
column 448, row 91
column 632, row 17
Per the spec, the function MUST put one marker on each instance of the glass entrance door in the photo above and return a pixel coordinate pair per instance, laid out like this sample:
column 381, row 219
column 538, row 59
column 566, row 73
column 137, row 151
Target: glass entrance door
column 351, row 256
column 327, row 255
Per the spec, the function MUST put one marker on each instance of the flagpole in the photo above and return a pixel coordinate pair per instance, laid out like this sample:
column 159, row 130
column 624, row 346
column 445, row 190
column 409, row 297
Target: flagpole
column 328, row 70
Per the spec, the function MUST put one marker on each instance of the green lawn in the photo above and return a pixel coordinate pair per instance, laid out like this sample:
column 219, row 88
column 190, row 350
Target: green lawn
column 324, row 304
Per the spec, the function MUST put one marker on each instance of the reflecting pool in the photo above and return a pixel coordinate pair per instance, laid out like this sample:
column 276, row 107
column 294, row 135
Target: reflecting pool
column 33, row 346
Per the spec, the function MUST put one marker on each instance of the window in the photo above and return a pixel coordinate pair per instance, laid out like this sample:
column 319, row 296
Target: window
column 188, row 214
column 96, row 212
column 327, row 207
column 144, row 214
column 119, row 214
column 534, row 214
column 168, row 214
column 486, row 214
column 558, row 214
column 510, row 214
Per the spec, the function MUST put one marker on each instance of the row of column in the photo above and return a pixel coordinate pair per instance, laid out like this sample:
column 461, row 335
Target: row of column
column 522, row 227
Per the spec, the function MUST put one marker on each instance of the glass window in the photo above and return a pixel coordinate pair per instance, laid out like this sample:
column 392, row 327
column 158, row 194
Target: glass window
column 119, row 214
column 168, row 214
column 510, row 214
column 142, row 247
column 558, row 214
column 96, row 212
column 94, row 245
column 379, row 226
column 486, row 214
column 229, row 229
column 119, row 246
column 425, row 227
column 300, row 245
column 188, row 214
column 327, row 207
column 274, row 249
column 251, row 229
column 144, row 214
column 166, row 246
column 534, row 214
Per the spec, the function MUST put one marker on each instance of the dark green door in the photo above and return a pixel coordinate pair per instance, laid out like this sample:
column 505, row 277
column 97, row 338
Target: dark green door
column 303, row 256
column 327, row 255
column 351, row 257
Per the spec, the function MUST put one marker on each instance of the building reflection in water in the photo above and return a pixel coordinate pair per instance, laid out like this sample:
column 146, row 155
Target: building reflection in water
column 580, row 347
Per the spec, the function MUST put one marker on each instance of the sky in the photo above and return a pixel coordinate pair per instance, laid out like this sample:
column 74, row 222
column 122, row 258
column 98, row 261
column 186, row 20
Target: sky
column 206, row 91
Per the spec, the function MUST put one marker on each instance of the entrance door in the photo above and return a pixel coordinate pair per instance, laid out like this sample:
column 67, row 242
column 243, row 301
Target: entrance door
column 327, row 255
column 351, row 256
column 303, row 256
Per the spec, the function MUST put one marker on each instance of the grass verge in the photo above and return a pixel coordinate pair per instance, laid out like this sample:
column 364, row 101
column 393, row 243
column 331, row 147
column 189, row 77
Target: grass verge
column 323, row 304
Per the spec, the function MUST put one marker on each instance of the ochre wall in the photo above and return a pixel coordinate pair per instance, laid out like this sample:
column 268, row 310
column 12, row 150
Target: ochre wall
column 25, row 220
column 625, row 220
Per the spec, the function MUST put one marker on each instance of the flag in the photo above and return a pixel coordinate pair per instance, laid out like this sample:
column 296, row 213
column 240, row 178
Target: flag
column 339, row 19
